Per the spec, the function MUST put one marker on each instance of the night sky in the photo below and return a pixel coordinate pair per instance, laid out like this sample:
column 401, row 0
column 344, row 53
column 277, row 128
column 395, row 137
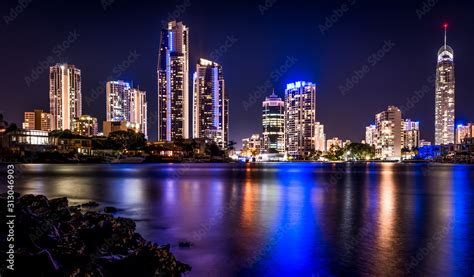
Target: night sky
column 262, row 48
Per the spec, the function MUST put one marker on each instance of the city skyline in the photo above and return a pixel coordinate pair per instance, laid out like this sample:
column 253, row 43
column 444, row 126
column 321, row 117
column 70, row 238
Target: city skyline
column 327, row 96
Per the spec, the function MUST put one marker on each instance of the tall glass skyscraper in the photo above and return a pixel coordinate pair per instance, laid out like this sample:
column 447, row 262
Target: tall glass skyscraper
column 65, row 97
column 210, row 103
column 273, row 122
column 300, row 119
column 445, row 95
column 173, row 83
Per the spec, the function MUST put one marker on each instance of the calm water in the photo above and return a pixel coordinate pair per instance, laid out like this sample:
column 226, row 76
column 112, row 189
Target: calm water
column 298, row 219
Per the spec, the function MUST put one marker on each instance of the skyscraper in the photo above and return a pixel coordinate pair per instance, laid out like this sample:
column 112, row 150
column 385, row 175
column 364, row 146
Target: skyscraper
column 320, row 137
column 128, row 104
column 173, row 83
column 138, row 110
column 65, row 98
column 300, row 119
column 210, row 103
column 388, row 144
column 410, row 134
column 445, row 95
column 117, row 100
column 370, row 135
column 273, row 122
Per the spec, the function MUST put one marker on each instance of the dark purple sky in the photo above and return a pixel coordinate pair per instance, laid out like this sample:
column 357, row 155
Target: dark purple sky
column 260, row 41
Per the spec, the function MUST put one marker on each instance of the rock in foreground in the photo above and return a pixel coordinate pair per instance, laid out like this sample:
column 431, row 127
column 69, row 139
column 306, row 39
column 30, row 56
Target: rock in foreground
column 55, row 239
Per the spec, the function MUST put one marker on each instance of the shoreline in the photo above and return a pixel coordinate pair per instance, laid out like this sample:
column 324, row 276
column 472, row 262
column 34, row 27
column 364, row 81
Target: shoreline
column 54, row 238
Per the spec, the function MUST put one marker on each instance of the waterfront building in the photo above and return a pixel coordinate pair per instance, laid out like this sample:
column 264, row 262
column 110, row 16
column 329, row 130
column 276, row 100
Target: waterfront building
column 388, row 144
column 410, row 134
column 139, row 110
column 320, row 137
column 334, row 143
column 210, row 103
column 65, row 96
column 37, row 120
column 252, row 146
column 463, row 132
column 173, row 83
column 273, row 123
column 445, row 95
column 125, row 103
column 371, row 135
column 85, row 125
column 300, row 119
column 21, row 137
column 117, row 100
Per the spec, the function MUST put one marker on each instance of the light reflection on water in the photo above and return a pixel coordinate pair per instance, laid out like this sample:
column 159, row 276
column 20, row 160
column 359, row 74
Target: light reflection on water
column 287, row 219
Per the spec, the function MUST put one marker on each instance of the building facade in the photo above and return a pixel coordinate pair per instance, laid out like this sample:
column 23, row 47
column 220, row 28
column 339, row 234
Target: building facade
column 273, row 123
column 139, row 110
column 300, row 119
column 464, row 132
column 65, row 96
column 210, row 103
column 445, row 95
column 127, row 104
column 86, row 126
column 410, row 134
column 370, row 134
column 334, row 143
column 320, row 137
column 252, row 146
column 117, row 100
column 173, row 83
column 388, row 144
column 37, row 120
column 115, row 126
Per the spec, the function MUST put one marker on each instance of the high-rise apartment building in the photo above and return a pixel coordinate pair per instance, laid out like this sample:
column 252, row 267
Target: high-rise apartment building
column 37, row 120
column 124, row 103
column 139, row 110
column 388, row 144
column 273, row 123
column 173, row 83
column 300, row 119
column 117, row 100
column 445, row 95
column 371, row 135
column 210, row 103
column 65, row 95
column 410, row 134
column 320, row 137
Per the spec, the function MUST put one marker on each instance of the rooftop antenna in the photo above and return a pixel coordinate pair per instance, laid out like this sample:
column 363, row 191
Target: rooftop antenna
column 445, row 34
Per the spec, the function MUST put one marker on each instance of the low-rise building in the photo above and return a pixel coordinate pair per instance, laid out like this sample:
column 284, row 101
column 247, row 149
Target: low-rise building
column 85, row 125
column 115, row 126
column 37, row 120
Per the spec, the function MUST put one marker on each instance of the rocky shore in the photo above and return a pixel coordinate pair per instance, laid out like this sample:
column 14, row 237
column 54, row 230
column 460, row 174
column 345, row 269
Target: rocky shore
column 55, row 239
